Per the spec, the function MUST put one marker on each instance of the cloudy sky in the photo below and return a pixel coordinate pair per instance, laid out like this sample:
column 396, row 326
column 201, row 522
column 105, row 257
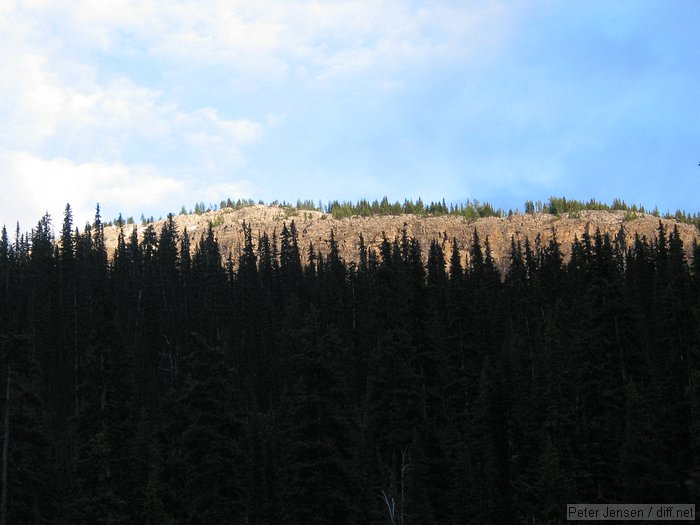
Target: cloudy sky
column 145, row 105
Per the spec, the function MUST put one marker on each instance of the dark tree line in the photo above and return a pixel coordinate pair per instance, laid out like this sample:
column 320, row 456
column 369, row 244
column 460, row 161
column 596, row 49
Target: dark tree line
column 164, row 385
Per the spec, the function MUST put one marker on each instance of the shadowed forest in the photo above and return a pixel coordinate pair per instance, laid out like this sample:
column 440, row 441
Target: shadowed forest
column 164, row 385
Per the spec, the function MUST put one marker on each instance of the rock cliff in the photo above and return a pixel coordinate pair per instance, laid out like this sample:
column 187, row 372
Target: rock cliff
column 315, row 227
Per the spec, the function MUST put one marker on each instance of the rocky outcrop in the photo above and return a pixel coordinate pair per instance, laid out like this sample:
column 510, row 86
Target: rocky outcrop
column 315, row 227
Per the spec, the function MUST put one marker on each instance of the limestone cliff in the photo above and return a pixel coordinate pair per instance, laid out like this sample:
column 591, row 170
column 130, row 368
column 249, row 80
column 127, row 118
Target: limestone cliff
column 315, row 227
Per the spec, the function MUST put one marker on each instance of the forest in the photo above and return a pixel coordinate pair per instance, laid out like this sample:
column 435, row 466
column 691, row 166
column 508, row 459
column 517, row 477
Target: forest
column 469, row 209
column 161, row 384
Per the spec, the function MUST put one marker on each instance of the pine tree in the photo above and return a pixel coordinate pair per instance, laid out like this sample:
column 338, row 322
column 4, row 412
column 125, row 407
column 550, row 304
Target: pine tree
column 210, row 446
column 106, row 426
column 28, row 494
column 5, row 268
column 246, row 304
column 317, row 433
column 171, row 314
column 208, row 282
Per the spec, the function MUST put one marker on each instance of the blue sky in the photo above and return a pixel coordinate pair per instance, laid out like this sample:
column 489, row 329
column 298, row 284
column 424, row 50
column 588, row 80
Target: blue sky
column 144, row 106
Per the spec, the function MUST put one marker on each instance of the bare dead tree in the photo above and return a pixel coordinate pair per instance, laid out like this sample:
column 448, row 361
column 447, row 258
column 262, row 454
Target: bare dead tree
column 390, row 506
column 389, row 500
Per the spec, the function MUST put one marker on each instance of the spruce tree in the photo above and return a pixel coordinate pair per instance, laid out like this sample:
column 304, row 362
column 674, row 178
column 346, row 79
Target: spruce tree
column 210, row 446
column 28, row 484
column 317, row 434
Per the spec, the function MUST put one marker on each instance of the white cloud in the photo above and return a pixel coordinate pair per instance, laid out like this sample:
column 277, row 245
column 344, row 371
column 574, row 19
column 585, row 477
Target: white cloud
column 50, row 94
column 213, row 194
column 38, row 185
column 53, row 86
column 102, row 119
column 81, row 126
column 41, row 185
column 327, row 38
column 73, row 134
column 239, row 131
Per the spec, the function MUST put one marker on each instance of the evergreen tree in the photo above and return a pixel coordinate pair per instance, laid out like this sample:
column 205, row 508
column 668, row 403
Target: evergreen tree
column 105, row 427
column 317, row 435
column 386, row 389
column 208, row 283
column 290, row 259
column 210, row 446
column 27, row 487
column 5, row 268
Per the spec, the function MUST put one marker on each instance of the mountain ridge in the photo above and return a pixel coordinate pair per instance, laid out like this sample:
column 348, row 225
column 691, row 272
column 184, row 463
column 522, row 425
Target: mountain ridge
column 315, row 227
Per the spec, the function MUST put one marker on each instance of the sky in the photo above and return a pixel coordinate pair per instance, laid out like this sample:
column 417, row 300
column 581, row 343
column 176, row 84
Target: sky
column 144, row 106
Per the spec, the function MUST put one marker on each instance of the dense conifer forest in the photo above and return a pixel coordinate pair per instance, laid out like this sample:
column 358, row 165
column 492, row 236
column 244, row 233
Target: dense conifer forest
column 164, row 385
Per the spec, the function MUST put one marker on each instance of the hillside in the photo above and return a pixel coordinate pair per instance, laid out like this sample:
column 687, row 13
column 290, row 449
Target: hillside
column 315, row 227
column 162, row 390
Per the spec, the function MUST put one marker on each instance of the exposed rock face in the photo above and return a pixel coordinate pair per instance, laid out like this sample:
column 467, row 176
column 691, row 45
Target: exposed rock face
column 315, row 227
